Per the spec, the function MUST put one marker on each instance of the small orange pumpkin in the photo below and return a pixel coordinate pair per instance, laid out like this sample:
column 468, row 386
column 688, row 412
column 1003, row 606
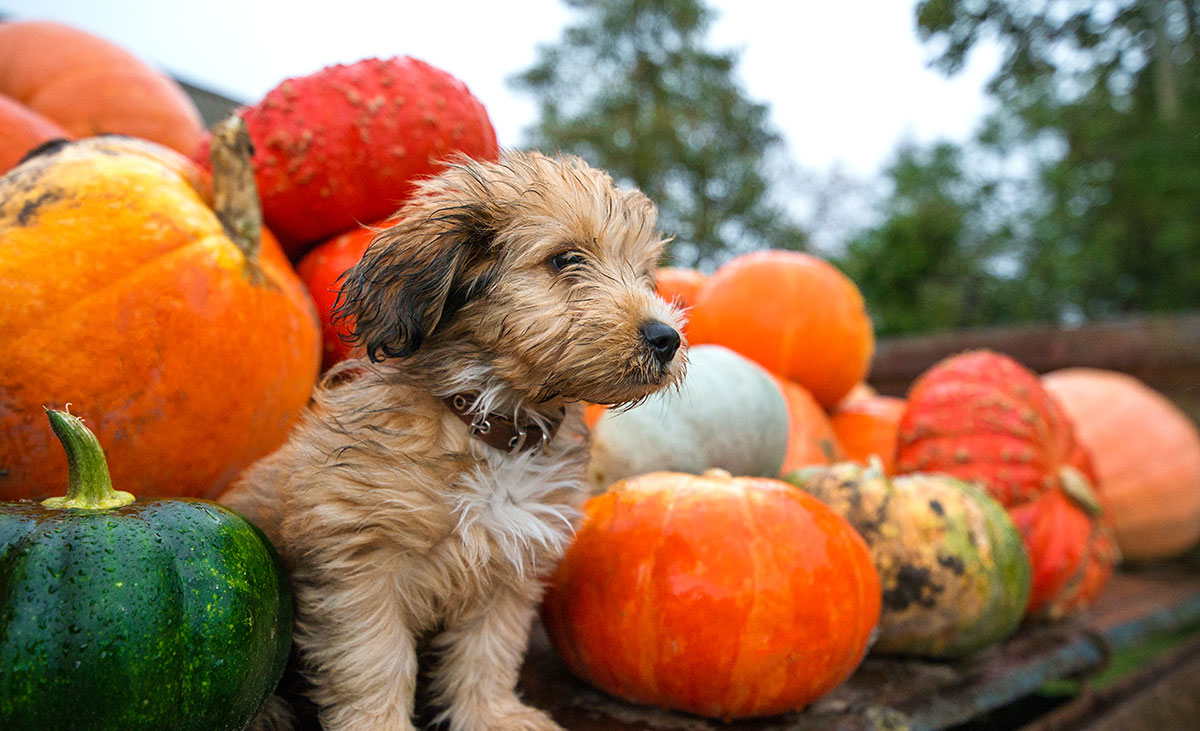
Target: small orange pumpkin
column 21, row 130
column 792, row 313
column 867, row 426
column 126, row 293
column 1146, row 454
column 90, row 86
column 811, row 439
column 721, row 596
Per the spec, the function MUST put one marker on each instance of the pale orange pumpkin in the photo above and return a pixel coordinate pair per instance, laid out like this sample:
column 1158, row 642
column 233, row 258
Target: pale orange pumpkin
column 726, row 597
column 90, row 86
column 792, row 313
column 1146, row 455
column 867, row 426
column 811, row 439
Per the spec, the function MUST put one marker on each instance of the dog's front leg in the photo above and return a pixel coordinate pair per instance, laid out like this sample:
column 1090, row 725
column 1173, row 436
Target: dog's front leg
column 479, row 657
column 362, row 658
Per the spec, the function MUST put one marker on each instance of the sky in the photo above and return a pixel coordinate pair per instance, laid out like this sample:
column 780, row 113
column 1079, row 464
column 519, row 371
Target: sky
column 846, row 81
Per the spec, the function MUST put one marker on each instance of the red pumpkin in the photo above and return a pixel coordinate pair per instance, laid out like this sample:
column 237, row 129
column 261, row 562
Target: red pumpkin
column 726, row 597
column 983, row 417
column 792, row 313
column 321, row 270
column 89, row 86
column 181, row 331
column 811, row 440
column 346, row 144
column 867, row 426
column 1146, row 453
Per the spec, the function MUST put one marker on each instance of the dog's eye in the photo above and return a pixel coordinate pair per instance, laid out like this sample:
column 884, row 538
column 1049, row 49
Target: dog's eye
column 564, row 259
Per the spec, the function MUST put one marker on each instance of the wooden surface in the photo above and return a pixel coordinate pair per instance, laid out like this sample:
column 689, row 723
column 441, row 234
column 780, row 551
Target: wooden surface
column 914, row 695
column 1162, row 351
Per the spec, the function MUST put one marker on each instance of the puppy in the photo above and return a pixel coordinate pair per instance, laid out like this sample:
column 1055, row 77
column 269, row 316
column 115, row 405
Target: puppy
column 433, row 484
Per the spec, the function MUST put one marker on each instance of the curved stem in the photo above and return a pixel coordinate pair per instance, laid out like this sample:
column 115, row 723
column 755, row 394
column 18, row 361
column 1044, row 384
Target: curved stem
column 88, row 483
column 235, row 192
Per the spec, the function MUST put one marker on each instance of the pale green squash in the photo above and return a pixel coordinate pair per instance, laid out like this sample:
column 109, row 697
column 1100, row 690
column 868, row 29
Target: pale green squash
column 727, row 413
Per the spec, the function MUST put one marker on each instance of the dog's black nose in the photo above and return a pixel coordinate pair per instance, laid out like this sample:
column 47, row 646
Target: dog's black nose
column 663, row 340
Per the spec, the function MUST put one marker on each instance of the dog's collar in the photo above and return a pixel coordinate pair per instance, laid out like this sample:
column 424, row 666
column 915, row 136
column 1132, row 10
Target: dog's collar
column 501, row 432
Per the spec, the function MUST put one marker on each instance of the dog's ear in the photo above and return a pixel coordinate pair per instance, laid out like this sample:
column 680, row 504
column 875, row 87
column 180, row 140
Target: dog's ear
column 413, row 277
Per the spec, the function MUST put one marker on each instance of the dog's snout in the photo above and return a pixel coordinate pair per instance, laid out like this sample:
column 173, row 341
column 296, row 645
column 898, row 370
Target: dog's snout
column 663, row 340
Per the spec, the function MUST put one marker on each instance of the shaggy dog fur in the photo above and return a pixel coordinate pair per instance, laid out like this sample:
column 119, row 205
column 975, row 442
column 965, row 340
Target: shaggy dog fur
column 528, row 283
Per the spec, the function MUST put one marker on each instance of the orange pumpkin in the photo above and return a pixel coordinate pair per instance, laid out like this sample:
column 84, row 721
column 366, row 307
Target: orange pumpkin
column 21, row 130
column 679, row 286
column 189, row 353
column 726, row 597
column 796, row 315
column 811, row 439
column 90, row 86
column 1146, row 454
column 867, row 426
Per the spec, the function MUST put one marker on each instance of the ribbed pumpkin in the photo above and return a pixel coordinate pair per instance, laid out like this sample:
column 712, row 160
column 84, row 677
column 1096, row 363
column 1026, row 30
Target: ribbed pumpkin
column 121, row 288
column 89, row 86
column 1146, row 453
column 866, row 427
column 346, row 144
column 983, row 417
column 134, row 615
column 954, row 571
column 726, row 597
column 792, row 313
column 811, row 440
column 727, row 413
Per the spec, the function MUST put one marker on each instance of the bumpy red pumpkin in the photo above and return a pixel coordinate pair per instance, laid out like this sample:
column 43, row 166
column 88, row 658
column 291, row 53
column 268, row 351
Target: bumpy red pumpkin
column 343, row 146
column 725, row 597
column 983, row 417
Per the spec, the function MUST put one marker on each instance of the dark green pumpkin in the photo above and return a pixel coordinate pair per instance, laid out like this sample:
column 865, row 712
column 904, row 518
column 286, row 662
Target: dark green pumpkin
column 163, row 614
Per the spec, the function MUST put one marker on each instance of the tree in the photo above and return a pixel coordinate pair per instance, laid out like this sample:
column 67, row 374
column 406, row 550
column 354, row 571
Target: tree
column 1113, row 89
column 938, row 260
column 631, row 88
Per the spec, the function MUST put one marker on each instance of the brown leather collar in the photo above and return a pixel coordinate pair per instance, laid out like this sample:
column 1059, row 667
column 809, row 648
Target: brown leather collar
column 501, row 432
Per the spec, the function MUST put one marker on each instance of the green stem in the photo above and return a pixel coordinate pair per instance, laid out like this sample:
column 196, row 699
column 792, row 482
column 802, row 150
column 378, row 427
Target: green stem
column 88, row 483
column 1079, row 490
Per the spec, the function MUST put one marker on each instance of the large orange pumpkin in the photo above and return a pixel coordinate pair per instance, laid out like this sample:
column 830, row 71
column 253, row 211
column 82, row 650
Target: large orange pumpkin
column 796, row 315
column 867, row 426
column 89, row 86
column 811, row 439
column 1146, row 453
column 726, row 597
column 190, row 354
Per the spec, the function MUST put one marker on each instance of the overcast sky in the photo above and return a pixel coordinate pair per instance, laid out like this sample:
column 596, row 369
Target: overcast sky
column 846, row 80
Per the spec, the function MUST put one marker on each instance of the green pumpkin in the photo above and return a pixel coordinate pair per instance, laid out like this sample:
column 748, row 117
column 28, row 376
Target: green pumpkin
column 116, row 614
column 954, row 570
column 727, row 414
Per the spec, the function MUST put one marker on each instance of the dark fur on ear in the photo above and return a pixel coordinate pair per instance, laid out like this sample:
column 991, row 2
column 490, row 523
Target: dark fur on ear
column 414, row 277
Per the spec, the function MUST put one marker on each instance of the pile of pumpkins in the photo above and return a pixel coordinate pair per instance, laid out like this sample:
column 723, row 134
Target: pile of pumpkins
column 758, row 529
column 987, row 497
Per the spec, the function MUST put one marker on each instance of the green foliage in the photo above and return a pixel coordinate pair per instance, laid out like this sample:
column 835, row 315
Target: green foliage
column 1115, row 87
column 631, row 88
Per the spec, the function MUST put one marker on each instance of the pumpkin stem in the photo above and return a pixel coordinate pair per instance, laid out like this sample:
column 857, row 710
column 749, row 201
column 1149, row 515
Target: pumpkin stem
column 1079, row 490
column 88, row 483
column 235, row 194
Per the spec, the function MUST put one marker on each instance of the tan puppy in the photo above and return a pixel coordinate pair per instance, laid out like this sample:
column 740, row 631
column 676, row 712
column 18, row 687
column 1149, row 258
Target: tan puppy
column 428, row 491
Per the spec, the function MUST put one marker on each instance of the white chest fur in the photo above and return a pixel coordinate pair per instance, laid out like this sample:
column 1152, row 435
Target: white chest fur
column 522, row 506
